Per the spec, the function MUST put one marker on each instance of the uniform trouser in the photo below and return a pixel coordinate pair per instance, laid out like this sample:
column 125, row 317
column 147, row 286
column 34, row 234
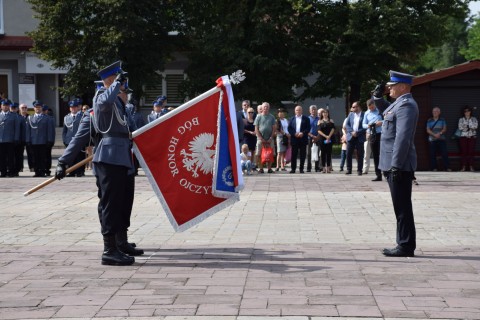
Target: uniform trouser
column 19, row 150
column 115, row 191
column 30, row 158
column 7, row 157
column 49, row 157
column 303, row 152
column 309, row 156
column 40, row 158
column 376, row 153
column 401, row 192
column 354, row 144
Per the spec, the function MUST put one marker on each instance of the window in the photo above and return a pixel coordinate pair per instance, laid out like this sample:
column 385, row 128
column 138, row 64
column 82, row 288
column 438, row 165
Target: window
column 169, row 87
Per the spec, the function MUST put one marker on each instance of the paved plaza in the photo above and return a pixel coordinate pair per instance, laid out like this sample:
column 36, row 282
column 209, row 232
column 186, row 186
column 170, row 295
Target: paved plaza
column 302, row 246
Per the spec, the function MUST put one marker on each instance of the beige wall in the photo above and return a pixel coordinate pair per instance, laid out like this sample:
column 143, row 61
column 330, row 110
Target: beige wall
column 18, row 17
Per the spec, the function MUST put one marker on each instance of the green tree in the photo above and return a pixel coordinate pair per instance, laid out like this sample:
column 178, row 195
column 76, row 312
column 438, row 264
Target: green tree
column 375, row 36
column 86, row 35
column 346, row 44
column 448, row 53
column 255, row 36
column 472, row 50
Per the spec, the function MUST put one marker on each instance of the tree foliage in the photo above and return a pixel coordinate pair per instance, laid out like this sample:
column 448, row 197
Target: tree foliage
column 346, row 45
column 86, row 35
column 472, row 50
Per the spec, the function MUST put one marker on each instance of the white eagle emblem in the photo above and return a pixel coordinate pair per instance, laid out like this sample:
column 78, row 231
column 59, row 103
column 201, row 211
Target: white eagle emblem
column 201, row 156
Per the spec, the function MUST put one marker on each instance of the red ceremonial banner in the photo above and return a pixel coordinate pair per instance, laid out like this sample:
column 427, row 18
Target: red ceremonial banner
column 178, row 154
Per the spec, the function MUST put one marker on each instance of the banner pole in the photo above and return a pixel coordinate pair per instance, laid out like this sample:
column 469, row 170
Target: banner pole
column 52, row 179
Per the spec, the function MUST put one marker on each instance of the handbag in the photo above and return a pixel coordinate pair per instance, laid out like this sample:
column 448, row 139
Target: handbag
column 457, row 134
column 267, row 154
column 288, row 154
column 285, row 140
column 314, row 152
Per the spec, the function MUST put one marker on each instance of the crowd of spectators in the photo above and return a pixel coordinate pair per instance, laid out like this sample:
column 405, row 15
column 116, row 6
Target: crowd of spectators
column 298, row 139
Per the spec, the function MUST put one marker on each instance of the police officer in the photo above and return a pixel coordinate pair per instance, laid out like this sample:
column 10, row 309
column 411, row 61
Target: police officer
column 9, row 137
column 70, row 127
column 40, row 135
column 20, row 146
column 113, row 165
column 398, row 159
column 156, row 112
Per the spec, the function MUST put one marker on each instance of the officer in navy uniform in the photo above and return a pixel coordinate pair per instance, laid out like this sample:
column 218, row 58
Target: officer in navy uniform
column 40, row 135
column 157, row 111
column 49, row 112
column 70, row 127
column 20, row 146
column 398, row 159
column 9, row 137
column 113, row 165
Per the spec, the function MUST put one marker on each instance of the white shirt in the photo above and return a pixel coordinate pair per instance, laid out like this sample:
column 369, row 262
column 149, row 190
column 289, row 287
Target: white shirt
column 298, row 122
column 356, row 121
column 284, row 123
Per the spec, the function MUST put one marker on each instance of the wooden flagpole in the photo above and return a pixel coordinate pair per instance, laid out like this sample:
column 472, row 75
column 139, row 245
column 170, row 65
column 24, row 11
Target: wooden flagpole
column 52, row 179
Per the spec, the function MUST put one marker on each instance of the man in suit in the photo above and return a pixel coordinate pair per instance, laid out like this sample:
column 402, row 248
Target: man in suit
column 355, row 137
column 398, row 159
column 298, row 128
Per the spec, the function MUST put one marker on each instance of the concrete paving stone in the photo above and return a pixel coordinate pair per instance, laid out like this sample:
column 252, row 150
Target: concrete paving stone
column 225, row 290
column 76, row 300
column 260, row 312
column 208, row 299
column 119, row 302
column 355, row 311
column 27, row 313
column 168, row 311
column 75, row 311
column 309, row 310
column 154, row 299
column 336, row 300
column 217, row 309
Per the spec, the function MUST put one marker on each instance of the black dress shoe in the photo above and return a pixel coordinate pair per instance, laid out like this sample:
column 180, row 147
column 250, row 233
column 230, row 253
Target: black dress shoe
column 397, row 252
column 378, row 178
column 301, row 171
column 309, row 170
column 348, row 172
column 292, row 171
column 359, row 173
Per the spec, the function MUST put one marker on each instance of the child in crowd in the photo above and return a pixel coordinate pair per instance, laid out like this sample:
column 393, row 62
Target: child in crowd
column 245, row 156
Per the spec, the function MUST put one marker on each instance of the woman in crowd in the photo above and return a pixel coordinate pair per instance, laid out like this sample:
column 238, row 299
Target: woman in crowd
column 326, row 129
column 467, row 125
column 249, row 137
column 283, row 139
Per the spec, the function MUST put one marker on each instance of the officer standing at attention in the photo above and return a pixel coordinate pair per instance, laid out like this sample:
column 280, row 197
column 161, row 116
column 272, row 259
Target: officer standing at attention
column 113, row 165
column 9, row 138
column 156, row 112
column 40, row 135
column 70, row 127
column 398, row 159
